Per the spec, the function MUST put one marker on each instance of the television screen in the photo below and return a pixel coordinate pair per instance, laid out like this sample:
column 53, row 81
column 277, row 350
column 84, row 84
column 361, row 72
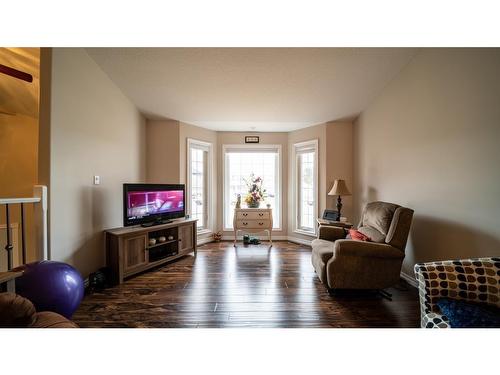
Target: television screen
column 143, row 202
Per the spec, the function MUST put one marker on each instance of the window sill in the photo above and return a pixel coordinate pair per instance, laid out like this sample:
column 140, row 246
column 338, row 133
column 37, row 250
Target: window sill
column 305, row 233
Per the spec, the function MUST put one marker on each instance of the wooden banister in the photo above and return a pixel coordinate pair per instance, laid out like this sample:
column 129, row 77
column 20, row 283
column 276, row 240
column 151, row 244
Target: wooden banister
column 19, row 200
column 40, row 208
column 41, row 221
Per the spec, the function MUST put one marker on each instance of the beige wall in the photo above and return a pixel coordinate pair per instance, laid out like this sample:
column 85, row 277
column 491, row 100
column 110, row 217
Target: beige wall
column 430, row 141
column 18, row 155
column 162, row 151
column 95, row 130
column 339, row 164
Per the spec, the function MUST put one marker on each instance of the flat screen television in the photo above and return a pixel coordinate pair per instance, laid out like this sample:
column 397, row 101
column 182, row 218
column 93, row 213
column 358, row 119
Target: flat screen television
column 150, row 204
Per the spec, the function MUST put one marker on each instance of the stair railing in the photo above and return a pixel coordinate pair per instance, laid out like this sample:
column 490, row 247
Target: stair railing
column 39, row 201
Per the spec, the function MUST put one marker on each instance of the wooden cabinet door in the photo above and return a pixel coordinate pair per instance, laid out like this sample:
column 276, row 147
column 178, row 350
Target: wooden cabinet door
column 135, row 253
column 186, row 238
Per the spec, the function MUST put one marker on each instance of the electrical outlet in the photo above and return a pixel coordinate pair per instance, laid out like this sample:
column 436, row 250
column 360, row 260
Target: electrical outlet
column 97, row 180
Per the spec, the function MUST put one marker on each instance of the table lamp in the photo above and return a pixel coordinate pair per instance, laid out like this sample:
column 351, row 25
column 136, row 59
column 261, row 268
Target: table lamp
column 339, row 188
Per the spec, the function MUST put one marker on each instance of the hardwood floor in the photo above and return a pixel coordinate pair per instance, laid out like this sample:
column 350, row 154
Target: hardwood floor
column 254, row 286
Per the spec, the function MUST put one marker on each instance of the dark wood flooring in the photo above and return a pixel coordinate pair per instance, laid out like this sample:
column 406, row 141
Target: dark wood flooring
column 254, row 286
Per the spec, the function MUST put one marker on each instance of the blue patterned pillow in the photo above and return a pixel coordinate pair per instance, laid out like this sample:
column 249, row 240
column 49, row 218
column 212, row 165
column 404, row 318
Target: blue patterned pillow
column 463, row 314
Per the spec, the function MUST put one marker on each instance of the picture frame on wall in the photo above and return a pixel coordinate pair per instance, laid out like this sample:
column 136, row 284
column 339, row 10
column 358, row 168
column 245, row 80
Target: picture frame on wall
column 252, row 139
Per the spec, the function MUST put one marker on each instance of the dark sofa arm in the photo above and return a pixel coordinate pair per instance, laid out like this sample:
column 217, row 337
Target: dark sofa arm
column 49, row 319
column 15, row 311
column 19, row 312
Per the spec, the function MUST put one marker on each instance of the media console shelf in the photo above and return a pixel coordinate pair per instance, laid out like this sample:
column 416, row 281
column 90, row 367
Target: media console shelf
column 129, row 251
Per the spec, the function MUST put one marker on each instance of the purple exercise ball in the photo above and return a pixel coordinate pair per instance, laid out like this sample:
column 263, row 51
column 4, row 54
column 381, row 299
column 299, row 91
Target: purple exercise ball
column 51, row 286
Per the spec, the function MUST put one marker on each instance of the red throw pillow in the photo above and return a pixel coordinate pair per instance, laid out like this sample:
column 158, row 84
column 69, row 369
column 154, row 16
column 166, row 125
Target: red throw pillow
column 358, row 236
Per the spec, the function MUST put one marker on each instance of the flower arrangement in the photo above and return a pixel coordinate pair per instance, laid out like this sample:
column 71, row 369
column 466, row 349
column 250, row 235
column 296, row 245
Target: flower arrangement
column 256, row 193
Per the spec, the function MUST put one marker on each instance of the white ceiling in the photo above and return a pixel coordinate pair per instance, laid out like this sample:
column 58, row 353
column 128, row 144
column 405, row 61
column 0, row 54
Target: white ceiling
column 261, row 89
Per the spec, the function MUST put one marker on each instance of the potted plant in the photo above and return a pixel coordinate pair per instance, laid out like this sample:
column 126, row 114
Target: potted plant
column 217, row 236
column 256, row 193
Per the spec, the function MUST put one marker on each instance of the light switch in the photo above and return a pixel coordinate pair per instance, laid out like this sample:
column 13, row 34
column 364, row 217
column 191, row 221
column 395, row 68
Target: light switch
column 97, row 180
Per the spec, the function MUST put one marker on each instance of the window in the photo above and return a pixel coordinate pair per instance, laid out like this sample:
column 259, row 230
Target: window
column 306, row 186
column 240, row 161
column 198, row 182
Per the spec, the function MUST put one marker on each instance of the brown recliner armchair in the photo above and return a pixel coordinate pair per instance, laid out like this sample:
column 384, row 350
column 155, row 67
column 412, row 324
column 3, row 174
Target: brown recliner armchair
column 343, row 263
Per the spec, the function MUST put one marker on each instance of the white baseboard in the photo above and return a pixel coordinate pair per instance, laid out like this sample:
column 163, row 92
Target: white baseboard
column 410, row 280
column 202, row 241
column 300, row 241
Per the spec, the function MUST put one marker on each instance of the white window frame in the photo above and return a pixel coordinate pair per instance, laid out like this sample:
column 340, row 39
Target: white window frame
column 209, row 212
column 297, row 149
column 279, row 167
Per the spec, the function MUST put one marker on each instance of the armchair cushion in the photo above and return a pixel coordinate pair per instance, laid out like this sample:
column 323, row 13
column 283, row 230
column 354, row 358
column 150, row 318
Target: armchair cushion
column 373, row 234
column 376, row 220
column 379, row 215
column 463, row 314
column 365, row 249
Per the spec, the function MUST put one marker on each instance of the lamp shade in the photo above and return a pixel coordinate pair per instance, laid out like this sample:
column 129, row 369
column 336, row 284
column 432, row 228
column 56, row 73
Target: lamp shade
column 339, row 188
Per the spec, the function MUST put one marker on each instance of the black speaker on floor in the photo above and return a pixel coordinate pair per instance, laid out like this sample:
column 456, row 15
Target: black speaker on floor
column 99, row 280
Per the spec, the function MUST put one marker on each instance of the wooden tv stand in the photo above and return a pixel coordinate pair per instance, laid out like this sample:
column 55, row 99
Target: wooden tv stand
column 129, row 252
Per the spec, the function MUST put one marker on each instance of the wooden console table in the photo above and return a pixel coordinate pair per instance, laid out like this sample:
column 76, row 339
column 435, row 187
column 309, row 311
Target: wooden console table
column 253, row 220
column 129, row 251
